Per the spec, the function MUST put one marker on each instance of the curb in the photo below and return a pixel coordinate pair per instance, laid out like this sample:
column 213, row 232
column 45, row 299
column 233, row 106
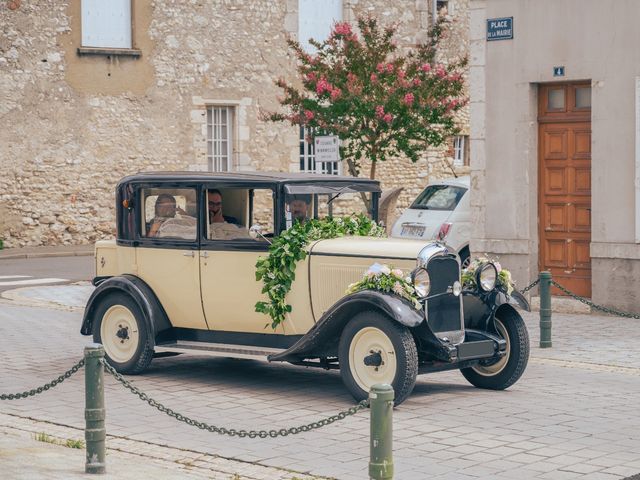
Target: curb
column 9, row 256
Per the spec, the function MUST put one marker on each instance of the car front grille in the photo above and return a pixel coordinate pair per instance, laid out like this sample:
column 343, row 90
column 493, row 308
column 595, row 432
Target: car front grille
column 443, row 312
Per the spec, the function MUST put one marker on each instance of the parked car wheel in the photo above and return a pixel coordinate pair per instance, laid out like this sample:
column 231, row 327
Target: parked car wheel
column 506, row 371
column 374, row 349
column 119, row 326
column 465, row 257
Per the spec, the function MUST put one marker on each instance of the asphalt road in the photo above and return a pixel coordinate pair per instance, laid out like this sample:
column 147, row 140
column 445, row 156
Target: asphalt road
column 26, row 272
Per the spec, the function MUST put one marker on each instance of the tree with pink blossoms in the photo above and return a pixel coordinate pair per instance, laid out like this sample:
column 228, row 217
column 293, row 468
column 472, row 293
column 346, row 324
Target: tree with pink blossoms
column 381, row 104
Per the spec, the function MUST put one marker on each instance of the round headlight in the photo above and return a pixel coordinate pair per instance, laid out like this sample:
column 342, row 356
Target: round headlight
column 487, row 277
column 456, row 288
column 421, row 282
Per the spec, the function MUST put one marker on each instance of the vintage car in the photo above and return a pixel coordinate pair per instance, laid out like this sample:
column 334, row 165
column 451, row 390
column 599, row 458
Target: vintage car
column 181, row 277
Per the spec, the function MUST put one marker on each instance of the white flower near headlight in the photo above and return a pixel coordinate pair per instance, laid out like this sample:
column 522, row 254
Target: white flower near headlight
column 398, row 289
column 376, row 269
column 385, row 270
column 396, row 272
column 498, row 266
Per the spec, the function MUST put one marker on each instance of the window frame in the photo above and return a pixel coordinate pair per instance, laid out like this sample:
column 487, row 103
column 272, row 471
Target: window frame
column 130, row 50
column 231, row 124
column 460, row 148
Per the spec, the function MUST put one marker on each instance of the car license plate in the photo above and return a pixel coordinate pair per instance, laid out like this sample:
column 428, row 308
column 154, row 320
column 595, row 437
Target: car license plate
column 412, row 230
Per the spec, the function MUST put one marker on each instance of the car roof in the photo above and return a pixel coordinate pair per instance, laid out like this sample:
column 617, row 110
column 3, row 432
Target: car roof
column 244, row 177
column 464, row 181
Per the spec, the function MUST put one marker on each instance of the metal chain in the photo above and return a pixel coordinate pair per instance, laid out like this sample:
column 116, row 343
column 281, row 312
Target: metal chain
column 530, row 286
column 233, row 432
column 593, row 305
column 46, row 386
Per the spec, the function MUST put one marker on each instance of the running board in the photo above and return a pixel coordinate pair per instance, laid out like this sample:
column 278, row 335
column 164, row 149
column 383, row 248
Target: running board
column 218, row 349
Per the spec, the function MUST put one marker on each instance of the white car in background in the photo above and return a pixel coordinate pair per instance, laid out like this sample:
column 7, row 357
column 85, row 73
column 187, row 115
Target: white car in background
column 441, row 211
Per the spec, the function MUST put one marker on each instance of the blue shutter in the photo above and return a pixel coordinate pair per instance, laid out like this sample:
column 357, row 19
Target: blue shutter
column 106, row 23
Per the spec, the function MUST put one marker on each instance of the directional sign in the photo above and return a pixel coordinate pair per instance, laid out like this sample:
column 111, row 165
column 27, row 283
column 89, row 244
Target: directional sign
column 499, row 28
column 327, row 148
column 558, row 71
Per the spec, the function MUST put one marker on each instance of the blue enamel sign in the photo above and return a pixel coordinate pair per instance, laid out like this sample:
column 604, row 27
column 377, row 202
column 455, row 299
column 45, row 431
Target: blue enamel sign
column 558, row 71
column 499, row 28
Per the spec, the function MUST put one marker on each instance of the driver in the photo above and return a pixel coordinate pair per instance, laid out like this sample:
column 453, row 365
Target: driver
column 298, row 206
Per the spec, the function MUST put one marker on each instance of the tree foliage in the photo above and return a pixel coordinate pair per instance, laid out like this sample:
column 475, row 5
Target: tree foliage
column 381, row 104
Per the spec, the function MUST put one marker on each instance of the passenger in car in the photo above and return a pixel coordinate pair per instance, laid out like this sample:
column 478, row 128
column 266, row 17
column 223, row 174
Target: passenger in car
column 165, row 208
column 298, row 207
column 214, row 198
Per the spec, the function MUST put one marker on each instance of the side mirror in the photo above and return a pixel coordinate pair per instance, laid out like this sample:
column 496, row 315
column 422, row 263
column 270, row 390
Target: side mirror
column 255, row 231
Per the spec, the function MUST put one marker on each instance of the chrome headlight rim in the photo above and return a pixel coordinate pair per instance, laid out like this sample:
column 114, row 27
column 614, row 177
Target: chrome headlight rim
column 421, row 284
column 483, row 278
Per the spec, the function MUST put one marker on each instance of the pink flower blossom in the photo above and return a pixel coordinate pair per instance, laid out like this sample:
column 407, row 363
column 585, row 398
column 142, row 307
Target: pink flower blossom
column 374, row 78
column 389, row 67
column 351, row 77
column 335, row 93
column 308, row 114
column 311, row 76
column 440, row 71
column 401, row 74
column 387, row 117
column 322, row 86
column 379, row 111
column 380, row 67
column 342, row 28
column 455, row 77
column 416, row 81
column 426, row 68
column 409, row 98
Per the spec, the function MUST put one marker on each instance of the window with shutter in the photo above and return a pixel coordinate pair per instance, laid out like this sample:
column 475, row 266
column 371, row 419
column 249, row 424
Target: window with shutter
column 315, row 20
column 106, row 24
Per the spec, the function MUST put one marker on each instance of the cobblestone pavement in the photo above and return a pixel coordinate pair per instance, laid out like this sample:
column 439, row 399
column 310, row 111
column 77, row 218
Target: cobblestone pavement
column 574, row 414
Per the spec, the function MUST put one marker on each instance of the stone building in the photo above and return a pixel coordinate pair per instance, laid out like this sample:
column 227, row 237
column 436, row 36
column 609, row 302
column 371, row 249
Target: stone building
column 555, row 115
column 91, row 91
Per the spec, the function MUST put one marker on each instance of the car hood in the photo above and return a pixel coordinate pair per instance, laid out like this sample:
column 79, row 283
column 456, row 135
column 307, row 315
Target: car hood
column 383, row 248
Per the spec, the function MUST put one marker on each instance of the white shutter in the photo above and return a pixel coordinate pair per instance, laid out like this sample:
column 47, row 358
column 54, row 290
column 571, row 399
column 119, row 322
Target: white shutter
column 315, row 19
column 106, row 23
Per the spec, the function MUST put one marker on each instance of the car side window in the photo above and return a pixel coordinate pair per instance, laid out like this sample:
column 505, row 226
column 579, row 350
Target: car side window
column 169, row 213
column 231, row 211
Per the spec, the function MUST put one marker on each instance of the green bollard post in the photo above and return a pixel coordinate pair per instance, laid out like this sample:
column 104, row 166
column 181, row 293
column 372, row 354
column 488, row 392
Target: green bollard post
column 545, row 309
column 94, row 413
column 381, row 459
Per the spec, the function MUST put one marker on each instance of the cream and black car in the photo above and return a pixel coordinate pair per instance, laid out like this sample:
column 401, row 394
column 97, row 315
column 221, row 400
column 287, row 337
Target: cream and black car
column 180, row 277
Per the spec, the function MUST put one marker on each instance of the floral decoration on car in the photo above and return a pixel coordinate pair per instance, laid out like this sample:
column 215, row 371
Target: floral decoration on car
column 277, row 269
column 470, row 275
column 387, row 279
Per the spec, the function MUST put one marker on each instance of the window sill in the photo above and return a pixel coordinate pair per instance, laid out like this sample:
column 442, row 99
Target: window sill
column 122, row 52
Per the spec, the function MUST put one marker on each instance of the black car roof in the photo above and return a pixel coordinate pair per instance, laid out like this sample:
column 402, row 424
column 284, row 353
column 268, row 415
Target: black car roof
column 249, row 177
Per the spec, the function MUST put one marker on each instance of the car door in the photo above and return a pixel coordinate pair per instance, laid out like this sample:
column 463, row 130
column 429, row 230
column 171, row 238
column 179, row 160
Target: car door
column 228, row 259
column 167, row 252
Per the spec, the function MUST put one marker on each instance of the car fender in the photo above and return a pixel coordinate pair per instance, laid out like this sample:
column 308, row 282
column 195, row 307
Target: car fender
column 154, row 315
column 325, row 334
column 480, row 307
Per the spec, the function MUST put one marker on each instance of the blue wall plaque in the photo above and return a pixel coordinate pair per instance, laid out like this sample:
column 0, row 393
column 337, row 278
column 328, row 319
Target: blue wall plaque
column 499, row 28
column 558, row 71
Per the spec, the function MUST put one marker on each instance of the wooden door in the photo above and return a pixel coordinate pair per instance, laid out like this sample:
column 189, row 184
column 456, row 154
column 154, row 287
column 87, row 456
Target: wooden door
column 565, row 185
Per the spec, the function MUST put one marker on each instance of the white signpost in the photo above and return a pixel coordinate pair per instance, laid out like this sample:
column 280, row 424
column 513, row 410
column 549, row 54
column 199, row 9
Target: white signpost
column 327, row 148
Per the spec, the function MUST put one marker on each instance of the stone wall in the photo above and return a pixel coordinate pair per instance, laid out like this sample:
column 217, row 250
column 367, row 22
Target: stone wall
column 73, row 125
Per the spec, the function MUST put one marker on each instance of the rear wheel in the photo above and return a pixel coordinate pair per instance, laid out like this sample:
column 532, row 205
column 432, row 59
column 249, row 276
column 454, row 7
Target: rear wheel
column 374, row 349
column 465, row 257
column 120, row 327
column 506, row 371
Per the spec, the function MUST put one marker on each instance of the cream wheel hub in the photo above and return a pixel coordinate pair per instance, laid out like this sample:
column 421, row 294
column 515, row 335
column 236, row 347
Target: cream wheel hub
column 119, row 333
column 496, row 368
column 372, row 358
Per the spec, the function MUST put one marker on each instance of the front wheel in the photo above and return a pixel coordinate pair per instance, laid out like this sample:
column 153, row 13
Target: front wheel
column 374, row 349
column 120, row 327
column 506, row 371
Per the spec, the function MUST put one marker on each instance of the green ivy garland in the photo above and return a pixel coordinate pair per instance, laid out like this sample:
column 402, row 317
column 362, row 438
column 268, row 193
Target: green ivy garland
column 503, row 282
column 277, row 270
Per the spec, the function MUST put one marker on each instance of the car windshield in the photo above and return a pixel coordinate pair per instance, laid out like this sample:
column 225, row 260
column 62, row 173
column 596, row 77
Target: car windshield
column 439, row 197
column 303, row 206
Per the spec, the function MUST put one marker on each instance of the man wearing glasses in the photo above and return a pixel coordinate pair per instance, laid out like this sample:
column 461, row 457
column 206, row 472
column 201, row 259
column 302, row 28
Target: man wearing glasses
column 214, row 198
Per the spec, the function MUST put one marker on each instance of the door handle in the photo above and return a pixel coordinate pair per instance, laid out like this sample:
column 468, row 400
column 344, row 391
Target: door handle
column 189, row 254
column 204, row 254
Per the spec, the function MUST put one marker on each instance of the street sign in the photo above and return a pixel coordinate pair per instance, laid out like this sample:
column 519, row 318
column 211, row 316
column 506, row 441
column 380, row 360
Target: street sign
column 558, row 71
column 499, row 28
column 327, row 148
